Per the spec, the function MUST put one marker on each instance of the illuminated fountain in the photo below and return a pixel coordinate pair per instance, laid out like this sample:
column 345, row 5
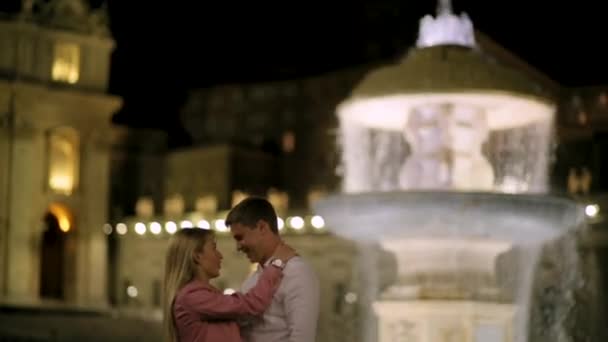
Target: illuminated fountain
column 445, row 157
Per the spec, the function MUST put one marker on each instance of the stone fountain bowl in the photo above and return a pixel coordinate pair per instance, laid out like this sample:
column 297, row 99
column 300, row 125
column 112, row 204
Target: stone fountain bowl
column 387, row 216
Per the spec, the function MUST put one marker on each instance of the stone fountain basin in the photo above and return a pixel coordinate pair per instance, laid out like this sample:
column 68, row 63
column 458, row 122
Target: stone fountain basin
column 388, row 216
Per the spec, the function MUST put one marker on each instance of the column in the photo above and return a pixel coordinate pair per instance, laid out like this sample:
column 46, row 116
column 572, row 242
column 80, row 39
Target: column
column 24, row 219
column 92, row 260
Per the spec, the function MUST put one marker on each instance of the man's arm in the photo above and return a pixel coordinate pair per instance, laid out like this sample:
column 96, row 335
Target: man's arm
column 301, row 302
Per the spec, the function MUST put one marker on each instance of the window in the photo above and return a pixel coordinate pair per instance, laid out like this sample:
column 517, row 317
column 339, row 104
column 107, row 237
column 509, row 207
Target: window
column 63, row 163
column 66, row 63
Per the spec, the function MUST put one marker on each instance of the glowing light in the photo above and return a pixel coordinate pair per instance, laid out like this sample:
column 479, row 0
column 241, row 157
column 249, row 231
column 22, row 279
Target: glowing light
column 121, row 228
column 107, row 229
column 350, row 298
column 296, row 222
column 155, row 228
column 170, row 227
column 317, row 222
column 64, row 224
column 186, row 224
column 203, row 224
column 66, row 63
column 592, row 210
column 140, row 228
column 280, row 223
column 62, row 184
column 220, row 225
column 132, row 290
column 63, row 160
column 229, row 291
column 62, row 215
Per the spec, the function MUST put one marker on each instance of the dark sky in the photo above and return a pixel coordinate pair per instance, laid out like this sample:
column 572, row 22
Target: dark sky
column 167, row 47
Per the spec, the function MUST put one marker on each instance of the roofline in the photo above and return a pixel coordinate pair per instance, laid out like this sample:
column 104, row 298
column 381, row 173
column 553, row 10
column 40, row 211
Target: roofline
column 494, row 49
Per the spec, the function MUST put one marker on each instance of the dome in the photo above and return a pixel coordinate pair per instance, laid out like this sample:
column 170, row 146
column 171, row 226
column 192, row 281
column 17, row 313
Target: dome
column 447, row 74
column 446, row 68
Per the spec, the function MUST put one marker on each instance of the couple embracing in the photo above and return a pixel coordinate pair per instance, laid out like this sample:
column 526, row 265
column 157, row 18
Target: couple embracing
column 278, row 303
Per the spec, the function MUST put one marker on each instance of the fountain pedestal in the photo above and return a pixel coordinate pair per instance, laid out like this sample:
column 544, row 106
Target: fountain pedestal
column 446, row 268
column 446, row 290
column 464, row 263
column 444, row 321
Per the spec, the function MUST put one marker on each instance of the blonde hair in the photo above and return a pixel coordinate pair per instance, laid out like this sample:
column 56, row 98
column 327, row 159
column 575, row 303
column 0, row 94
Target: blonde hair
column 179, row 270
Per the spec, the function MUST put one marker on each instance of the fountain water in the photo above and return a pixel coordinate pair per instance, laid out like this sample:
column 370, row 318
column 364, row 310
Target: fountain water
column 445, row 159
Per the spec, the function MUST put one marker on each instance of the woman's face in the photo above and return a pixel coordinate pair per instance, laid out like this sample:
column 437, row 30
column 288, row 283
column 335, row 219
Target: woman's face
column 210, row 259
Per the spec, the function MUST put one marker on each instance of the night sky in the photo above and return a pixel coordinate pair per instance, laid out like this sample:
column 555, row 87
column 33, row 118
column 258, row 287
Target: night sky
column 165, row 47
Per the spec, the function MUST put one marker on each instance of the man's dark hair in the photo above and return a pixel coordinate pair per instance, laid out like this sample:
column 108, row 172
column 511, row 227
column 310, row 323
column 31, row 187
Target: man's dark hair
column 252, row 209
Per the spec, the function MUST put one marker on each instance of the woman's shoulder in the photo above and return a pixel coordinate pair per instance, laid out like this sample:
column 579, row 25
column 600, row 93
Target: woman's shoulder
column 193, row 287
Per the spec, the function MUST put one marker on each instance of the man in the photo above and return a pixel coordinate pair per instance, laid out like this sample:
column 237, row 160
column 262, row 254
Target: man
column 294, row 311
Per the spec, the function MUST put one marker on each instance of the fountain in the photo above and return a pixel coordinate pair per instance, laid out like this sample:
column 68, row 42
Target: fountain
column 445, row 160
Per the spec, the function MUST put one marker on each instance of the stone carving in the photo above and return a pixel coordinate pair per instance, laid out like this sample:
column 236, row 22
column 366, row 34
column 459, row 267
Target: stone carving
column 446, row 149
column 446, row 28
column 75, row 15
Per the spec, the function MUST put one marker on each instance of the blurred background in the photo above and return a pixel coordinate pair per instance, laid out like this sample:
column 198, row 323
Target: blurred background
column 122, row 121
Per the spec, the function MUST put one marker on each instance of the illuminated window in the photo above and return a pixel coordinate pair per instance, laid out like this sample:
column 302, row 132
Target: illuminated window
column 66, row 63
column 64, row 160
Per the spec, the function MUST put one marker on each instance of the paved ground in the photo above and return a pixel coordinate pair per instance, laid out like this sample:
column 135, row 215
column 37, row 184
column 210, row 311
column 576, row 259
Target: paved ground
column 31, row 324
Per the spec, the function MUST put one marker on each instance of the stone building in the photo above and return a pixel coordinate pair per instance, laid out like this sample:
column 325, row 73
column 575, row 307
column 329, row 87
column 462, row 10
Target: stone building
column 54, row 152
column 292, row 120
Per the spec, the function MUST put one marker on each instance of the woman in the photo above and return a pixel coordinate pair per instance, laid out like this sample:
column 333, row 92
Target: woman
column 196, row 311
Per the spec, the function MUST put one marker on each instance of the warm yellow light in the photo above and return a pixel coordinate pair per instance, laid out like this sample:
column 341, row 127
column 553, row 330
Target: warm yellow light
column 66, row 63
column 61, row 183
column 64, row 224
column 63, row 160
column 63, row 216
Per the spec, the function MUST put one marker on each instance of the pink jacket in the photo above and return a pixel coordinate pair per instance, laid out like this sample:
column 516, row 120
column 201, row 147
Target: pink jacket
column 204, row 314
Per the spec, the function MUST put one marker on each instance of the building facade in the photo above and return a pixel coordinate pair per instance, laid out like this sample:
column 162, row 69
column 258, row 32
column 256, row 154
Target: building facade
column 54, row 152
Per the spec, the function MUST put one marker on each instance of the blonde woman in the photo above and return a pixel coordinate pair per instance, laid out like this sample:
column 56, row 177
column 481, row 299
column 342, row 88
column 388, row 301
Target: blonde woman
column 196, row 311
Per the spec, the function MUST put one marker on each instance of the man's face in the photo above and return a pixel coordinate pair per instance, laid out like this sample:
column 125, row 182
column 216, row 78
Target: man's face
column 248, row 240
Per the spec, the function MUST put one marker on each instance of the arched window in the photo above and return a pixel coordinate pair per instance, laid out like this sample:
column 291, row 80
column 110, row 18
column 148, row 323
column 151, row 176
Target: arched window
column 64, row 160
